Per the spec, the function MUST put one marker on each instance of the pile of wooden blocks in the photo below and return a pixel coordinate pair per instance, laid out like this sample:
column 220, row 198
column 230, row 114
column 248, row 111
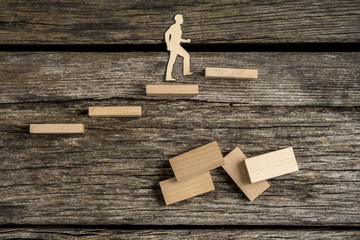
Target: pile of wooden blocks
column 192, row 171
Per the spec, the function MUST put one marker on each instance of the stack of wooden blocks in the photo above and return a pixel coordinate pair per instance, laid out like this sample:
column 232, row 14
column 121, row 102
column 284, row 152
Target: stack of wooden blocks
column 192, row 171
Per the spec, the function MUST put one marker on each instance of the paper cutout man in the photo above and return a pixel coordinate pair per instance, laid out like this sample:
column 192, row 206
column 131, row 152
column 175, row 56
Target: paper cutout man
column 173, row 40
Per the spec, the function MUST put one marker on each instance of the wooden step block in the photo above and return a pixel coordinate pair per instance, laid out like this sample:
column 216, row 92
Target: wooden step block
column 271, row 165
column 57, row 128
column 172, row 90
column 174, row 191
column 235, row 167
column 197, row 161
column 230, row 73
column 124, row 111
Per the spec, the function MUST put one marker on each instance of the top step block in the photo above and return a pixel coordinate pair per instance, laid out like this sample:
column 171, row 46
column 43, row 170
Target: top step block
column 236, row 73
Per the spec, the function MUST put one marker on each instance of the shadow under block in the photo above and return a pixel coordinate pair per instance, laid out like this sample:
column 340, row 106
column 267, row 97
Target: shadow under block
column 172, row 90
column 271, row 165
column 174, row 191
column 235, row 168
column 57, row 128
column 123, row 111
column 230, row 73
column 197, row 161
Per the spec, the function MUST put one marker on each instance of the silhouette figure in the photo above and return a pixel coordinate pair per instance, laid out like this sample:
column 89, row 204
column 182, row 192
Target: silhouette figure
column 173, row 40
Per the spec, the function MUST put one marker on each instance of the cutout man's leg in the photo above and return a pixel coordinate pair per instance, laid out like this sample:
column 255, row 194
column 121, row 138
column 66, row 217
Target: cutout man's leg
column 186, row 64
column 170, row 65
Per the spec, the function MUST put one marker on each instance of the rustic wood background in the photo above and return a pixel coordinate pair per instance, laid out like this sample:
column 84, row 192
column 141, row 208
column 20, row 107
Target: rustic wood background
column 104, row 184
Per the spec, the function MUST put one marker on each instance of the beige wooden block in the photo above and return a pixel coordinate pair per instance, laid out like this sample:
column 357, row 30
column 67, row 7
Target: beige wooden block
column 230, row 73
column 123, row 111
column 172, row 90
column 57, row 128
column 174, row 191
column 235, row 167
column 197, row 161
column 271, row 165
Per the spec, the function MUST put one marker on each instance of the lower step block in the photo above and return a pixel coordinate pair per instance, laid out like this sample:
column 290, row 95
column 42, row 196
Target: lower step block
column 57, row 128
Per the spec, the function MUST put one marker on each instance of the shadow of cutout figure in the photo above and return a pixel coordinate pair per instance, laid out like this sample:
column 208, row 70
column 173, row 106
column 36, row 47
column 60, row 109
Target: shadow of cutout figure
column 173, row 40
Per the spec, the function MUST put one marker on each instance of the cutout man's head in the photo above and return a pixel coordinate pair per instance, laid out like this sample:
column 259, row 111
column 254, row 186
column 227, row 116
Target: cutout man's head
column 179, row 18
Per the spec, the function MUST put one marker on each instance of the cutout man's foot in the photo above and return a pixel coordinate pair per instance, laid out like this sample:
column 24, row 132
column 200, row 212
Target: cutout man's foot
column 189, row 73
column 170, row 79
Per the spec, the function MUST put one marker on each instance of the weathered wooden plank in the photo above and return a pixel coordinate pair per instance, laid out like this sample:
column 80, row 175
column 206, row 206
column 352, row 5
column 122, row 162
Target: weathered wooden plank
column 95, row 179
column 226, row 21
column 98, row 233
column 284, row 79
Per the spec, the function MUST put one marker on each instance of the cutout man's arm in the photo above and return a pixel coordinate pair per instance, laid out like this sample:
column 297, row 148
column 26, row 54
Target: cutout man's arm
column 167, row 38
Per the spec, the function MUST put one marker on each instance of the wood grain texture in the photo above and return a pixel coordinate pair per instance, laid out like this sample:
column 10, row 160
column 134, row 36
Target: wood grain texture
column 95, row 179
column 284, row 79
column 170, row 234
column 235, row 168
column 197, row 161
column 175, row 191
column 137, row 22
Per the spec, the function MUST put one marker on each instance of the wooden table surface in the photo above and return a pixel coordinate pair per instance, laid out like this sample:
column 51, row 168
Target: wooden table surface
column 58, row 58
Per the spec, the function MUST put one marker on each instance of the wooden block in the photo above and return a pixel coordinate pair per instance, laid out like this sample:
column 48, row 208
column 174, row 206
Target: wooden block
column 235, row 167
column 172, row 90
column 271, row 165
column 126, row 111
column 230, row 73
column 197, row 161
column 174, row 191
column 57, row 128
